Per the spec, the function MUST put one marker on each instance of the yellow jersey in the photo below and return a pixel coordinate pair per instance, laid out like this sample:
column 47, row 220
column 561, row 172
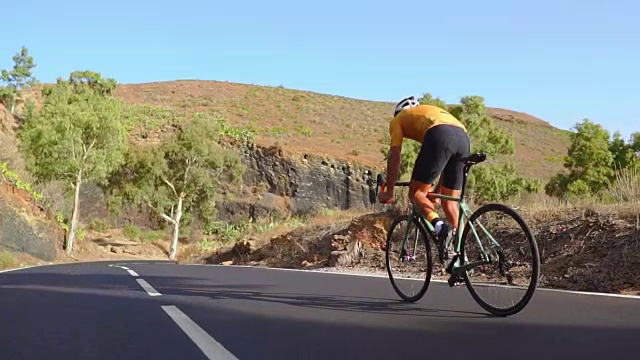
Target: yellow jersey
column 414, row 122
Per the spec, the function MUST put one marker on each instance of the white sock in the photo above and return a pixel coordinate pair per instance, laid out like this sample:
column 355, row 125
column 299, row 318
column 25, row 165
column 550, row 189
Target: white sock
column 438, row 226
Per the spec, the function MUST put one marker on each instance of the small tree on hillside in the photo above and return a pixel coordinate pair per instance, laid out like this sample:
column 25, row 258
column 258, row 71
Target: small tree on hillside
column 77, row 137
column 17, row 79
column 625, row 154
column 86, row 80
column 590, row 162
column 185, row 174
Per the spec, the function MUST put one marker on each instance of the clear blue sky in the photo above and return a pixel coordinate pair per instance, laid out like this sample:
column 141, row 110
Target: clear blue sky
column 559, row 60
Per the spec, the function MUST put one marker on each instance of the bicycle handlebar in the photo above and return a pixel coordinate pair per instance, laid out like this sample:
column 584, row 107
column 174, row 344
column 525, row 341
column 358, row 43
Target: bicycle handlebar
column 382, row 184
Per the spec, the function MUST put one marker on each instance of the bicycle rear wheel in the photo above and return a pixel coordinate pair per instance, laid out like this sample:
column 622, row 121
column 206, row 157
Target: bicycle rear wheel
column 512, row 244
column 413, row 266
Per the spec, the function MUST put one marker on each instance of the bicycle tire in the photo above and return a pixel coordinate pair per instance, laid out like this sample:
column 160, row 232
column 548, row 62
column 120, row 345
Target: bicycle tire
column 507, row 211
column 428, row 257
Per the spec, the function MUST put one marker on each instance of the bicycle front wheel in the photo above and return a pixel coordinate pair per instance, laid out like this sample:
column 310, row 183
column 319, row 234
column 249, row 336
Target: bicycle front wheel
column 503, row 238
column 408, row 258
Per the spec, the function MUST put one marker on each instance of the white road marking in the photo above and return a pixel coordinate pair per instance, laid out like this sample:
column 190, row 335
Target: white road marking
column 148, row 288
column 133, row 273
column 208, row 345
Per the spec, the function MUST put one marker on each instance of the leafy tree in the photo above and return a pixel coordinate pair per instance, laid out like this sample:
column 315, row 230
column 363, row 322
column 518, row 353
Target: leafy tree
column 485, row 136
column 589, row 160
column 623, row 153
column 17, row 79
column 496, row 182
column 185, row 174
column 491, row 181
column 77, row 137
column 93, row 81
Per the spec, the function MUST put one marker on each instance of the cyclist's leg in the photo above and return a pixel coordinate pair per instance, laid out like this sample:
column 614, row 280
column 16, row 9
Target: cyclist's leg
column 452, row 176
column 430, row 162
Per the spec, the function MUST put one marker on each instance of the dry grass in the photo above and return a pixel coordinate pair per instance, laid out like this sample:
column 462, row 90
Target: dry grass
column 7, row 260
column 620, row 199
column 541, row 211
column 625, row 187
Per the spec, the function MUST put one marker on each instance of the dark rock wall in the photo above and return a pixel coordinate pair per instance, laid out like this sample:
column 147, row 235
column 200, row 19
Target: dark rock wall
column 23, row 232
column 311, row 182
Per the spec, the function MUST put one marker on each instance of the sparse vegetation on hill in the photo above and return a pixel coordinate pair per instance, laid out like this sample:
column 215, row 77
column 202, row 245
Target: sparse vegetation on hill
column 351, row 129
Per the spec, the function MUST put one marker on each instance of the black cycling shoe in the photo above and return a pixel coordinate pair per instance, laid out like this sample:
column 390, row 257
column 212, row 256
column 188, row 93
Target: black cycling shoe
column 441, row 239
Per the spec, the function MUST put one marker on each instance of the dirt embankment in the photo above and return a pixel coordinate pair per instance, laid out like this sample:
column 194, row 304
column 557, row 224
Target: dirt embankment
column 596, row 252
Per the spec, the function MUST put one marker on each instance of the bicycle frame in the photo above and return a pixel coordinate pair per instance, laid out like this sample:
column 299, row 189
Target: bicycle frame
column 464, row 215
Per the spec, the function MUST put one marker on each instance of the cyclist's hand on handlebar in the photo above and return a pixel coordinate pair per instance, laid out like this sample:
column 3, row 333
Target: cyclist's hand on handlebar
column 435, row 200
column 385, row 197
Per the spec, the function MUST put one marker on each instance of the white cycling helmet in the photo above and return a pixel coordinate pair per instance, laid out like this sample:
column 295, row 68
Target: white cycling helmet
column 405, row 104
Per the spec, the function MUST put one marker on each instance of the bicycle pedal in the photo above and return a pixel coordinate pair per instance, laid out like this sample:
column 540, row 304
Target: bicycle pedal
column 455, row 280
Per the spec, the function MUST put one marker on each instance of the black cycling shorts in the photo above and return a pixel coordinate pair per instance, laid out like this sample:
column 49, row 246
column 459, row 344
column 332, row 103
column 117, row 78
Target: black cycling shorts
column 441, row 148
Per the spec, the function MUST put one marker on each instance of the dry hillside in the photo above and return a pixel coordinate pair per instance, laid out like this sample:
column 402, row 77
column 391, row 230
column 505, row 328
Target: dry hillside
column 346, row 128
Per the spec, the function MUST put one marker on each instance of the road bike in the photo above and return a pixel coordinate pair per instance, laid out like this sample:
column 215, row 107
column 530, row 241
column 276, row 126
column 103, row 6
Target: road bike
column 464, row 266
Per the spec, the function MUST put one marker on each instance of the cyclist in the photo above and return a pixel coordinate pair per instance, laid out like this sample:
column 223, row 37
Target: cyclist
column 444, row 140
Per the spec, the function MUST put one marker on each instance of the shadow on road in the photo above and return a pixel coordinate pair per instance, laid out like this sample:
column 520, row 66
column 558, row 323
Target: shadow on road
column 319, row 301
column 179, row 286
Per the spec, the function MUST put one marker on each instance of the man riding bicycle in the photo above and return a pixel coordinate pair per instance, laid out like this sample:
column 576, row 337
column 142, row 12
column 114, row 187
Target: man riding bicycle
column 444, row 140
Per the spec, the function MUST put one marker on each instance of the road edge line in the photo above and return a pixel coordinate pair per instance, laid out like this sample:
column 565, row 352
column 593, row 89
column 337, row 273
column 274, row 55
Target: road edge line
column 96, row 262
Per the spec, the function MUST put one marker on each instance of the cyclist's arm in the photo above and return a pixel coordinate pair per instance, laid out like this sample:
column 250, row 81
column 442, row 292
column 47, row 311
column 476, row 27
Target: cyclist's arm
column 393, row 167
column 395, row 149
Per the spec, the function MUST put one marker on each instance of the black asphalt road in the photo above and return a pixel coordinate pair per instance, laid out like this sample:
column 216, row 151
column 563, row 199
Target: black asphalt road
column 97, row 311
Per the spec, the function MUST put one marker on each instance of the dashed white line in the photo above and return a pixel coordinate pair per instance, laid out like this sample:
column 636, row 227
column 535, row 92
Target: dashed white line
column 208, row 345
column 133, row 273
column 148, row 288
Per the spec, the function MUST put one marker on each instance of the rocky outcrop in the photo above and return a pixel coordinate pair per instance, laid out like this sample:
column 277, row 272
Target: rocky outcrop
column 310, row 182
